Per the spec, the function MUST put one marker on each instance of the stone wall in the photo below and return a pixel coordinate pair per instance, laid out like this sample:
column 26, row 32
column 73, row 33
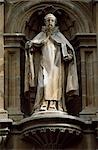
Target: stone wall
column 19, row 21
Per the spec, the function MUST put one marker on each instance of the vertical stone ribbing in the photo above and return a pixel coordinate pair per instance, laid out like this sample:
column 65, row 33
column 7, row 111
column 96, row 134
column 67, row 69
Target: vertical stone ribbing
column 3, row 113
column 14, row 74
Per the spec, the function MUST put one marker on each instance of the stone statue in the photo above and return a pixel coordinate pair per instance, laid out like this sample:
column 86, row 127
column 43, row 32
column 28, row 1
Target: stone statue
column 57, row 63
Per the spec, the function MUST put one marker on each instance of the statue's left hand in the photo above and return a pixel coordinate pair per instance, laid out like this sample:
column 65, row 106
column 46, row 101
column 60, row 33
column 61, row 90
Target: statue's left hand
column 69, row 57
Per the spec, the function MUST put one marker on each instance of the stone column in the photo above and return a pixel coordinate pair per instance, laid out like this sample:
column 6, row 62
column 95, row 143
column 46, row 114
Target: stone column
column 86, row 49
column 96, row 21
column 4, row 121
column 14, row 74
column 3, row 113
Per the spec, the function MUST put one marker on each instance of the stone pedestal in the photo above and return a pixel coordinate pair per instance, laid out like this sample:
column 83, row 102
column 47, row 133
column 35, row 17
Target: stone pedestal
column 14, row 74
column 51, row 130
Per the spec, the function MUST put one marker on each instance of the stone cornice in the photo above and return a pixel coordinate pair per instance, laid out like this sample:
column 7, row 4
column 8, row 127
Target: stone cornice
column 2, row 1
column 95, row 1
column 84, row 40
column 47, row 0
column 14, row 40
column 14, row 34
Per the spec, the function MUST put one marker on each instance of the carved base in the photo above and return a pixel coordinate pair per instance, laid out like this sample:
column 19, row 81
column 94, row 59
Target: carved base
column 51, row 130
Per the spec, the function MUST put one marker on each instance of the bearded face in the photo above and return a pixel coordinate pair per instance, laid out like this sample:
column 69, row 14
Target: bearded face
column 50, row 21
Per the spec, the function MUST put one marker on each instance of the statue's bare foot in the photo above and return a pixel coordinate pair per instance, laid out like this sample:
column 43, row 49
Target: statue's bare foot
column 44, row 106
column 52, row 106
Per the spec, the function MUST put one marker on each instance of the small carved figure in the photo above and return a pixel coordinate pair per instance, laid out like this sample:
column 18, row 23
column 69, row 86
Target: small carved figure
column 57, row 74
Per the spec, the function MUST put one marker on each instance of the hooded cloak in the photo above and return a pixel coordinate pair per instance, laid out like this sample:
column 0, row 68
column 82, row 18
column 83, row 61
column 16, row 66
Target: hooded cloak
column 51, row 65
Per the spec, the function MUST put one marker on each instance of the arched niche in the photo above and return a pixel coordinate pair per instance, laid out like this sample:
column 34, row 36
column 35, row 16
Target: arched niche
column 67, row 25
column 72, row 17
column 28, row 17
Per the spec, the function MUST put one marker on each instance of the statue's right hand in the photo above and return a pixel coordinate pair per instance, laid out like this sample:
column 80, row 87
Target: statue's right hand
column 28, row 44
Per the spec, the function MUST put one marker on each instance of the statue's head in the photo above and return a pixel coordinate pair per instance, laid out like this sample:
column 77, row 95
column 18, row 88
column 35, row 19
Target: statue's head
column 50, row 21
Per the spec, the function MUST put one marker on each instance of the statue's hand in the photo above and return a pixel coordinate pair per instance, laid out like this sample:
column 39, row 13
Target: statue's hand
column 45, row 40
column 28, row 44
column 68, row 58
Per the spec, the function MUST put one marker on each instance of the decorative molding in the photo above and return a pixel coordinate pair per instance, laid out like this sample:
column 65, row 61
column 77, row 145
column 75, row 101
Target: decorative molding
column 52, row 135
column 53, row 129
column 2, row 1
column 3, row 135
column 84, row 40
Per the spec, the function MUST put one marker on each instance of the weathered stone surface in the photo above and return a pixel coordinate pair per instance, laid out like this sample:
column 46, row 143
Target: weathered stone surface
column 50, row 129
column 14, row 74
column 20, row 16
column 3, row 113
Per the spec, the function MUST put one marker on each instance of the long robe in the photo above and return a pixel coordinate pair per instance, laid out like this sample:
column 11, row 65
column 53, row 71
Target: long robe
column 50, row 75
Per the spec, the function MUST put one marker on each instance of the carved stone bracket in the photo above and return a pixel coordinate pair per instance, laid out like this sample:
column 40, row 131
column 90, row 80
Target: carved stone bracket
column 53, row 136
column 51, row 129
column 62, row 128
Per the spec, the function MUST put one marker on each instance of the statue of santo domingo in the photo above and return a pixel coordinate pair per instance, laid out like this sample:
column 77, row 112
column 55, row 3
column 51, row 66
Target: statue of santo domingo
column 57, row 74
